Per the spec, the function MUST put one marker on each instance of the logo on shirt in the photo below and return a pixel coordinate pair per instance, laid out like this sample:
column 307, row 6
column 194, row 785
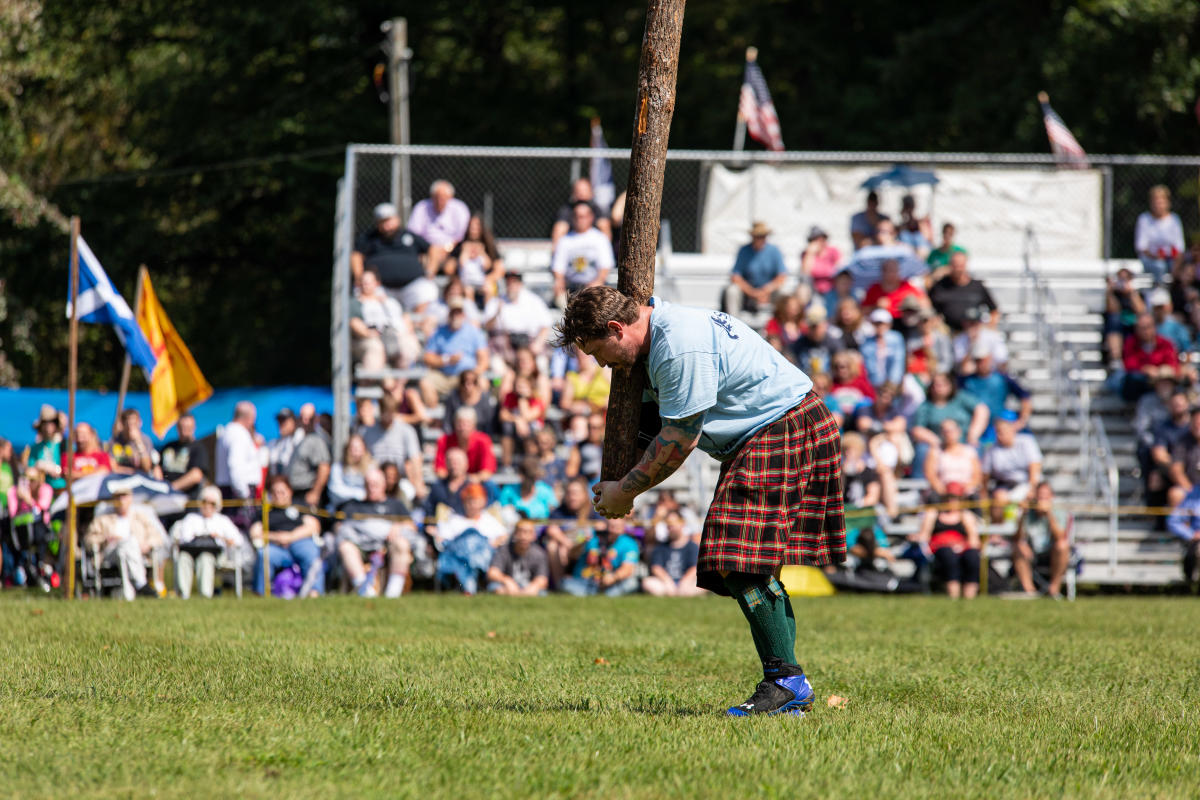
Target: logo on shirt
column 721, row 320
column 406, row 240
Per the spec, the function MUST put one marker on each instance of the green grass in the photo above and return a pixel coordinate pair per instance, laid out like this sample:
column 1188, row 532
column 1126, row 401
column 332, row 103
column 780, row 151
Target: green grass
column 414, row 698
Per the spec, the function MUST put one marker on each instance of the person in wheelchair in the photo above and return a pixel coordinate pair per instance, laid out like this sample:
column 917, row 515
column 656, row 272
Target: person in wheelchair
column 127, row 537
column 1042, row 541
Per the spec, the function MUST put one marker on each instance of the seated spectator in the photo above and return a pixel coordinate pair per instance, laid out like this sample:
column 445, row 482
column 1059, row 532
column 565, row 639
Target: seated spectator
column 521, row 416
column 666, row 504
column 476, row 262
column 202, row 538
column 891, row 291
column 445, row 495
column 392, row 439
column 280, row 449
column 1184, row 524
column 951, row 537
column 884, row 353
column 940, row 256
column 128, row 536
column 583, row 256
column 819, row 261
column 440, row 219
column 861, row 488
column 367, row 531
column 1043, row 539
column 885, row 426
column 554, row 467
column 843, row 289
column 471, row 392
column 380, row 332
column 131, row 450
column 606, row 563
column 520, row 568
column 348, row 477
column 46, row 453
column 957, row 291
column 850, row 385
column 481, row 461
column 574, row 521
column 817, row 345
column 563, row 360
column 929, row 347
column 400, row 257
column 525, row 364
column 410, row 407
column 945, row 401
column 533, row 498
column 291, row 539
column 758, row 272
column 1157, row 434
column 1158, row 236
column 308, row 470
column 953, row 463
column 89, row 457
column 586, row 387
column 786, row 324
column 586, row 457
column 864, row 224
column 852, row 324
column 673, row 563
column 454, row 348
column 1147, row 355
column 1123, row 305
column 581, row 192
column 823, row 388
column 1185, row 460
column 184, row 460
column 1170, row 327
column 468, row 541
column 914, row 231
column 887, row 238
column 994, row 389
column 1011, row 466
column 977, row 338
column 518, row 319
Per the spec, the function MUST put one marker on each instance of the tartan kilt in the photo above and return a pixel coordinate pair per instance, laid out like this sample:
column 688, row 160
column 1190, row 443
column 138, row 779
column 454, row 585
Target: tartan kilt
column 779, row 500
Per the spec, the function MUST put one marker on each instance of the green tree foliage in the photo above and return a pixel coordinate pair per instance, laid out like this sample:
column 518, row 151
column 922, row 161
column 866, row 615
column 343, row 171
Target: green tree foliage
column 205, row 139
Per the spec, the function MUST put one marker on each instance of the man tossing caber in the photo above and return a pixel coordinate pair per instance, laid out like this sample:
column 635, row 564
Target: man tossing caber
column 721, row 387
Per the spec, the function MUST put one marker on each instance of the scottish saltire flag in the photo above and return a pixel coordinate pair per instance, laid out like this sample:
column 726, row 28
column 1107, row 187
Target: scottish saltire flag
column 600, row 172
column 757, row 110
column 100, row 303
column 1064, row 146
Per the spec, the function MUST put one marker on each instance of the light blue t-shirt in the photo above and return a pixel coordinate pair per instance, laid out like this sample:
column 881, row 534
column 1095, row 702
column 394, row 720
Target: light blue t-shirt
column 703, row 360
column 759, row 267
column 467, row 340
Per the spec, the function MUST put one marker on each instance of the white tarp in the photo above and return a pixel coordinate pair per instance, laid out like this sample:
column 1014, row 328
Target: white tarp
column 990, row 207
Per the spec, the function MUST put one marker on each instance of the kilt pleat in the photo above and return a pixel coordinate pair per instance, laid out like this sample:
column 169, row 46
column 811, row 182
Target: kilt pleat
column 779, row 500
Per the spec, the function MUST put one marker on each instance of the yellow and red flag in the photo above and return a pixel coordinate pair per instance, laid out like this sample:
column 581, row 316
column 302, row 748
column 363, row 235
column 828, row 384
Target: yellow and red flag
column 177, row 383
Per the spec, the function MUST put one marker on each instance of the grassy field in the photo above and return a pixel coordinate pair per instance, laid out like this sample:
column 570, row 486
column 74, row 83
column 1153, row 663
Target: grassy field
column 445, row 696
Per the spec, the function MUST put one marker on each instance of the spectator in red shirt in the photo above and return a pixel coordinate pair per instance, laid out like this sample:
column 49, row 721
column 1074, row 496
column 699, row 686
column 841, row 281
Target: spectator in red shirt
column 481, row 461
column 521, row 417
column 891, row 291
column 1147, row 355
column 850, row 385
column 89, row 457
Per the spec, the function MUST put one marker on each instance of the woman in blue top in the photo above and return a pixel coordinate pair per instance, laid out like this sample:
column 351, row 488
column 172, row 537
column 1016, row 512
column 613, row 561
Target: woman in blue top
column 533, row 497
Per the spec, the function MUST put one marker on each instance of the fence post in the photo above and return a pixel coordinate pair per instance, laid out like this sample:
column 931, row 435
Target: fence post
column 1107, row 171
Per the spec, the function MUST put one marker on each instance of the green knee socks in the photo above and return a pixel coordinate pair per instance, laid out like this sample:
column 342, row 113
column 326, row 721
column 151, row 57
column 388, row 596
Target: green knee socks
column 768, row 609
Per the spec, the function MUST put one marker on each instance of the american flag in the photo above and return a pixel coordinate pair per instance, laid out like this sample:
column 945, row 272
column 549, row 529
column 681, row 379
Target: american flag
column 757, row 110
column 1062, row 143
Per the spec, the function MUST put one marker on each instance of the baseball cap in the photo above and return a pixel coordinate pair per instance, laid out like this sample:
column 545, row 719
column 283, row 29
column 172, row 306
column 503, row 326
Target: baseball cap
column 1160, row 297
column 385, row 211
column 816, row 313
column 816, row 232
column 910, row 303
column 981, row 349
column 455, row 304
column 880, row 315
column 284, row 413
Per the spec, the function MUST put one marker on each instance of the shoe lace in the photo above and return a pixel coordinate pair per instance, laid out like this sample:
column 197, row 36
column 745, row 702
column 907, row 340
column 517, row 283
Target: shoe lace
column 764, row 692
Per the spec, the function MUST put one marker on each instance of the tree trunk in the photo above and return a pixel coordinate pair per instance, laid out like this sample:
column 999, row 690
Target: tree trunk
column 643, row 203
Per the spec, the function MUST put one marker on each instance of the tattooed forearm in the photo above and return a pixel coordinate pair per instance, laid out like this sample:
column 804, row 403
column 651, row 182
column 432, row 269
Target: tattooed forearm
column 669, row 449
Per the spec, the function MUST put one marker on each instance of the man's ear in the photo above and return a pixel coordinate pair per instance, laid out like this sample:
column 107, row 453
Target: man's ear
column 615, row 328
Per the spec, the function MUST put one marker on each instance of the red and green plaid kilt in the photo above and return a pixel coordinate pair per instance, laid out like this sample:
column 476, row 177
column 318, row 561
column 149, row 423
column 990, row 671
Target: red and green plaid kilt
column 779, row 500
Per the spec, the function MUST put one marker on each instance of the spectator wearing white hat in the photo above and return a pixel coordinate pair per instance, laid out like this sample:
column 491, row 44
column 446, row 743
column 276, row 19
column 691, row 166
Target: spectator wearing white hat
column 127, row 537
column 884, row 352
column 203, row 537
column 817, row 345
column 758, row 272
column 1168, row 325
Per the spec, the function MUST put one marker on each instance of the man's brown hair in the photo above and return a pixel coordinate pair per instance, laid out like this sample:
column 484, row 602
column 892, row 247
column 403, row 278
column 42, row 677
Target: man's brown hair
column 589, row 312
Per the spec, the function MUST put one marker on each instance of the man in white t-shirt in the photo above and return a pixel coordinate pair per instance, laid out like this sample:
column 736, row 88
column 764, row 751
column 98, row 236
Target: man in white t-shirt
column 520, row 316
column 584, row 256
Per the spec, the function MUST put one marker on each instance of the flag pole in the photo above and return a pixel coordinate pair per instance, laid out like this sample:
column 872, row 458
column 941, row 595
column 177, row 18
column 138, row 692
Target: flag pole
column 739, row 133
column 72, row 378
column 137, row 312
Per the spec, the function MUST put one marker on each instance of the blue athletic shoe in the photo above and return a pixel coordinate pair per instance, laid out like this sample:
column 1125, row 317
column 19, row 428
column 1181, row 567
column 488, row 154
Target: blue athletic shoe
column 789, row 693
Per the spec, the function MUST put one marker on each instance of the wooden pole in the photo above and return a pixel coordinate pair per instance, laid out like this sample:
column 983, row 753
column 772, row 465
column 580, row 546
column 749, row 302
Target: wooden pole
column 137, row 310
column 72, row 379
column 657, row 72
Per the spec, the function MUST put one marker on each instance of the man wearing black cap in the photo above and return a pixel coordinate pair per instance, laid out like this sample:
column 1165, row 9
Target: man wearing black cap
column 279, row 451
